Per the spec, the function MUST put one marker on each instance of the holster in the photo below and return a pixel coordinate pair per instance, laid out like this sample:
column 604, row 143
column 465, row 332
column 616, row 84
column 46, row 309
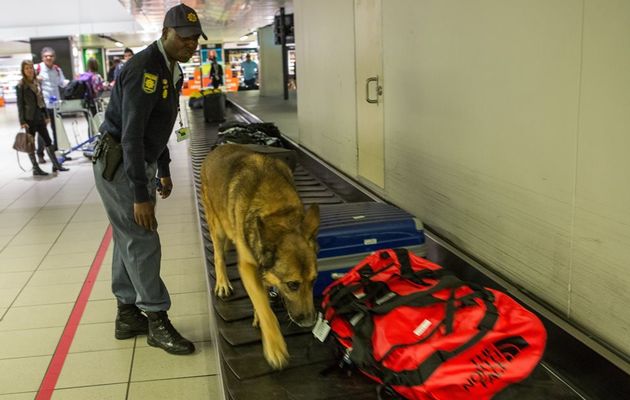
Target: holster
column 109, row 151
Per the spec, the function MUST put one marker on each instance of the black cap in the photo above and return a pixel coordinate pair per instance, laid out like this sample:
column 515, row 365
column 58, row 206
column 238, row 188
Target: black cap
column 184, row 20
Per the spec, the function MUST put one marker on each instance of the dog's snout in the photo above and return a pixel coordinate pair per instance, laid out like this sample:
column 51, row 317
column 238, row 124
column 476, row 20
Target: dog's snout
column 305, row 320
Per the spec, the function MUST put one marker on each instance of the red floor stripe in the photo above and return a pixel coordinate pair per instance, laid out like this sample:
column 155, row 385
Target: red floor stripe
column 56, row 363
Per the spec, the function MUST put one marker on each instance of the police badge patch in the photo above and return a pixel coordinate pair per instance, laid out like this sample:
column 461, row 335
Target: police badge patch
column 149, row 82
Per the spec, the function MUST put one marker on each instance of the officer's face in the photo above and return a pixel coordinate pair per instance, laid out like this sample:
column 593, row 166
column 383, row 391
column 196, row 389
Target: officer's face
column 179, row 48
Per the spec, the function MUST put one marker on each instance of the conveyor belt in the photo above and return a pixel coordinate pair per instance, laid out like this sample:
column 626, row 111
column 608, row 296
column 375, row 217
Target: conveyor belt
column 246, row 375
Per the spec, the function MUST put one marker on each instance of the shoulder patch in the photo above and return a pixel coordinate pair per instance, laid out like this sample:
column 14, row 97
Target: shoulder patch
column 149, row 82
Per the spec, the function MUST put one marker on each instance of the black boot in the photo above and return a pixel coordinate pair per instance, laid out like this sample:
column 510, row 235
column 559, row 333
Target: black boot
column 50, row 150
column 130, row 322
column 162, row 334
column 36, row 170
column 41, row 159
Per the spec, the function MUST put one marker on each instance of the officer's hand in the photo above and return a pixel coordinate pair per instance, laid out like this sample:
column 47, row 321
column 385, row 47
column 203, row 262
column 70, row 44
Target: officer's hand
column 25, row 126
column 144, row 215
column 166, row 187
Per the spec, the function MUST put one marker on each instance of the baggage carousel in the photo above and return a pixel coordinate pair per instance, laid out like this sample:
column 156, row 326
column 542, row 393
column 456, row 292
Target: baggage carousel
column 568, row 371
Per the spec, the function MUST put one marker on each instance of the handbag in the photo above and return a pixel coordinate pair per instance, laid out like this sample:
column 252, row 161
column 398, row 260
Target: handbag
column 24, row 142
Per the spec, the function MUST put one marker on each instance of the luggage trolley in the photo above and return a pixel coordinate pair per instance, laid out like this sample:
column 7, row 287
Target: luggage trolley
column 67, row 107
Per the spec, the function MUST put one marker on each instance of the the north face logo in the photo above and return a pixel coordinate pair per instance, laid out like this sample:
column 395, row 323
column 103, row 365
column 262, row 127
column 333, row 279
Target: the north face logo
column 511, row 347
column 492, row 362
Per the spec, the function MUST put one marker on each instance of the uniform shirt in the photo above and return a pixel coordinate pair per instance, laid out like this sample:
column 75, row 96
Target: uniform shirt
column 141, row 113
column 52, row 80
column 177, row 73
column 249, row 69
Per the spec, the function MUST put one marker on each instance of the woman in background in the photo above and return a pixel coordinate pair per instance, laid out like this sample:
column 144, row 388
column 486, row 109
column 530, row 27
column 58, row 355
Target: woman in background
column 33, row 116
column 96, row 80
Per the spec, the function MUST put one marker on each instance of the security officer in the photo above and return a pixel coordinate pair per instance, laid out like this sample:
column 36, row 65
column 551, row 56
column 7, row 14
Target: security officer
column 138, row 122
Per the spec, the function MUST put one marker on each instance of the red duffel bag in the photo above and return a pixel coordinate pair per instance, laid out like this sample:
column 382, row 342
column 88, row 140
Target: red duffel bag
column 421, row 332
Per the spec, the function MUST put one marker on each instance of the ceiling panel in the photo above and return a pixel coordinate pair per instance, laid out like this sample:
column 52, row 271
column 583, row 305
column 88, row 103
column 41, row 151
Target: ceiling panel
column 132, row 22
column 222, row 20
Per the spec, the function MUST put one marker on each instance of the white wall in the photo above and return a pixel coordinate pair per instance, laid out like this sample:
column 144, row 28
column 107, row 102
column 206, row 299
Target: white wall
column 506, row 129
column 601, row 233
column 324, row 35
column 271, row 83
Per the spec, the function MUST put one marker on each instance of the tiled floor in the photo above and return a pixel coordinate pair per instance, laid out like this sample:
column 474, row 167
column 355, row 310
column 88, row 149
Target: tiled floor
column 50, row 231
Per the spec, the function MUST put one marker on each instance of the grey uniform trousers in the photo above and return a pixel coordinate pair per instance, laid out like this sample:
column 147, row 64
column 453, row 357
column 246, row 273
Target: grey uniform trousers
column 137, row 251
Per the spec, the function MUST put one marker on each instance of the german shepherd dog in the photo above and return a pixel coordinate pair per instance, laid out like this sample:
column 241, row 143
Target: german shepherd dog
column 251, row 201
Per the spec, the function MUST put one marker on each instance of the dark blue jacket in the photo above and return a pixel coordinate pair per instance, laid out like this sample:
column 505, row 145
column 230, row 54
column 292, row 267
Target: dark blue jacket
column 141, row 113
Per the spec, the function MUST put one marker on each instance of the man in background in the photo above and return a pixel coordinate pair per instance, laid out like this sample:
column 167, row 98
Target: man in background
column 51, row 79
column 112, row 69
column 127, row 55
column 250, row 72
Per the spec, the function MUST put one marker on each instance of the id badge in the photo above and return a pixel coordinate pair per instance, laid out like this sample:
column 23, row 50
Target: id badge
column 182, row 134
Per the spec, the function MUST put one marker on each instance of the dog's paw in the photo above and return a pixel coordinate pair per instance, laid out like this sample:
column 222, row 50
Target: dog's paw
column 276, row 353
column 223, row 290
column 255, row 322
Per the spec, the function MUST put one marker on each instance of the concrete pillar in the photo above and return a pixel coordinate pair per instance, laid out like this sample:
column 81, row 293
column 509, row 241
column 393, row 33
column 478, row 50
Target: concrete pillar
column 270, row 63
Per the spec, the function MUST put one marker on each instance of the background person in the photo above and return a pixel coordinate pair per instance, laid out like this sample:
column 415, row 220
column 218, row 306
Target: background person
column 33, row 116
column 127, row 55
column 112, row 69
column 95, row 83
column 51, row 79
column 250, row 72
column 216, row 71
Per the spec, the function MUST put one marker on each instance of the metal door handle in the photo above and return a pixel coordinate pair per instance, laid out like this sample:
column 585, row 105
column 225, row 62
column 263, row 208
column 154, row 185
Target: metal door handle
column 379, row 90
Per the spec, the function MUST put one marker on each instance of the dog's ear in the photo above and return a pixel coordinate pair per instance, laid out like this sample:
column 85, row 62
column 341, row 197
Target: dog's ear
column 264, row 251
column 310, row 224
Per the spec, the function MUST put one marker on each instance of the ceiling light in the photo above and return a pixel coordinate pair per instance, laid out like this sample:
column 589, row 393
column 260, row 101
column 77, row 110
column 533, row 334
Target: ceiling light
column 244, row 37
column 118, row 44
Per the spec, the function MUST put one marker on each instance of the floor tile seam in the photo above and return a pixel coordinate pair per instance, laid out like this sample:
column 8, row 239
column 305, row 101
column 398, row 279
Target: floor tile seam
column 120, row 383
column 44, row 304
column 173, row 316
column 45, row 255
column 33, row 184
column 174, row 378
column 28, row 329
column 32, row 217
column 133, row 356
column 31, row 329
column 12, row 393
column 26, row 357
column 19, row 197
column 88, row 386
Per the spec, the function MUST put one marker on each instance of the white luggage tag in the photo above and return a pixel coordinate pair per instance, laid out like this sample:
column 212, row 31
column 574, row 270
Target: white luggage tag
column 321, row 329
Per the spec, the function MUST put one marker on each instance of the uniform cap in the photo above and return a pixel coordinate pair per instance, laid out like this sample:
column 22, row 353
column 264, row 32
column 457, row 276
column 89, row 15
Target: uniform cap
column 184, row 20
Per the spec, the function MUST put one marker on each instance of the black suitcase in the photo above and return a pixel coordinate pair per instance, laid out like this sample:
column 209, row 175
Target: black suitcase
column 214, row 107
column 287, row 155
